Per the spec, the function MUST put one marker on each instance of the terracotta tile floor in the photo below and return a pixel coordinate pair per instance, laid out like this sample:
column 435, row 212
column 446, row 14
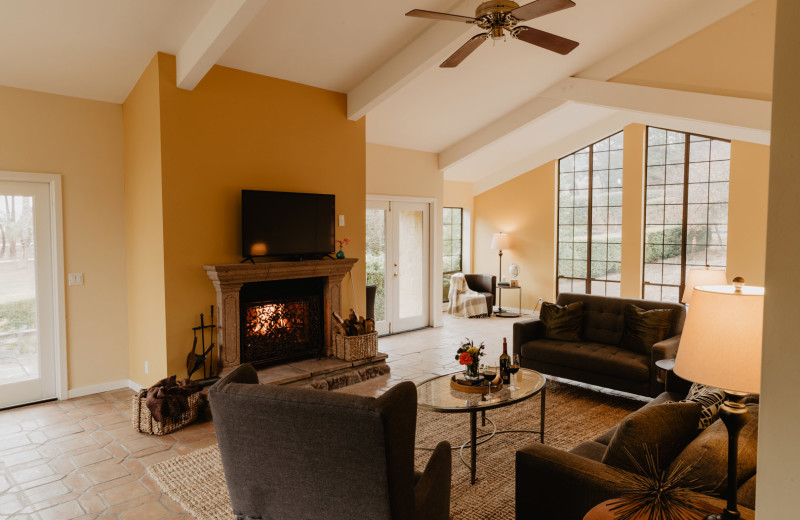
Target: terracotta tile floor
column 81, row 458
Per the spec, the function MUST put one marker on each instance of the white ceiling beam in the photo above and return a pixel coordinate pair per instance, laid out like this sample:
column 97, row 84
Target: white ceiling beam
column 498, row 129
column 420, row 55
column 723, row 110
column 629, row 55
column 218, row 29
column 634, row 53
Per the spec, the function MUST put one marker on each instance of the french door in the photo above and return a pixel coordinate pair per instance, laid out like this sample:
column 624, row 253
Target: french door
column 28, row 345
column 398, row 263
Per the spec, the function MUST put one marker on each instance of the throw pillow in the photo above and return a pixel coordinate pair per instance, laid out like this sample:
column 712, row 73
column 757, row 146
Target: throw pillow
column 705, row 459
column 644, row 328
column 562, row 321
column 710, row 398
column 661, row 432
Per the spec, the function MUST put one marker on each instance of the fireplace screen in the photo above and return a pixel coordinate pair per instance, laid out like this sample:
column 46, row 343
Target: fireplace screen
column 279, row 330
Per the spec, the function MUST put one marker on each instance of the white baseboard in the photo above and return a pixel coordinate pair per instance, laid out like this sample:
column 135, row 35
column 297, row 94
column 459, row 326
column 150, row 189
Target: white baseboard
column 103, row 387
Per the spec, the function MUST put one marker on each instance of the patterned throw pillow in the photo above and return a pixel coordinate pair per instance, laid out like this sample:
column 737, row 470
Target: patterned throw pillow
column 644, row 328
column 710, row 398
column 562, row 322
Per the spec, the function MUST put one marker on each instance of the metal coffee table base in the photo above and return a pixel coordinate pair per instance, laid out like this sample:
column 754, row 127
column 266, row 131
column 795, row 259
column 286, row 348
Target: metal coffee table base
column 476, row 440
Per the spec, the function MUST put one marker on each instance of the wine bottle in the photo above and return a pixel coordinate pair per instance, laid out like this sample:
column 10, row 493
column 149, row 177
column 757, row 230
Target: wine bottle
column 505, row 364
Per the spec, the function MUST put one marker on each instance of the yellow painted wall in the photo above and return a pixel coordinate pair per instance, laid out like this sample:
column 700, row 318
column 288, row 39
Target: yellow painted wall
column 82, row 141
column 733, row 57
column 237, row 130
column 747, row 212
column 401, row 172
column 523, row 207
column 779, row 422
column 461, row 195
column 632, row 207
column 144, row 230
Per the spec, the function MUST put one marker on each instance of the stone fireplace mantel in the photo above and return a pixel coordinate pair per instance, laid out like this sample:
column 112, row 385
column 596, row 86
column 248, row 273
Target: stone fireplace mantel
column 229, row 278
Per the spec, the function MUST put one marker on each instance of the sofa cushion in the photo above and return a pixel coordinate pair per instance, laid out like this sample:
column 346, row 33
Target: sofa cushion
column 562, row 322
column 706, row 457
column 710, row 398
column 644, row 328
column 610, row 360
column 660, row 432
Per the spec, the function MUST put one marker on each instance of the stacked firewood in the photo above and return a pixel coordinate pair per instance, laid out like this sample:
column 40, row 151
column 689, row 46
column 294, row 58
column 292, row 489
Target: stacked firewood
column 353, row 326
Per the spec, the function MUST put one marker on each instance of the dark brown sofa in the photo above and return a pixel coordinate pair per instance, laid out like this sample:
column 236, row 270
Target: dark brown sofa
column 299, row 454
column 598, row 359
column 555, row 484
column 485, row 284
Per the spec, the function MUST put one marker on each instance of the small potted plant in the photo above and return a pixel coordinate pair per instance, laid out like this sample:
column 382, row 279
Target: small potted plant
column 343, row 242
column 469, row 355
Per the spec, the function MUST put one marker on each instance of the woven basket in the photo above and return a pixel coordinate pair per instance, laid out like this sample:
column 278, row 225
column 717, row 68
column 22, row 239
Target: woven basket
column 353, row 348
column 143, row 421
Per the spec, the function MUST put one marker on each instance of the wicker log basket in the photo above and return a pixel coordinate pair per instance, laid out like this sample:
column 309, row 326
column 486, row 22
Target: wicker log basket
column 143, row 420
column 354, row 348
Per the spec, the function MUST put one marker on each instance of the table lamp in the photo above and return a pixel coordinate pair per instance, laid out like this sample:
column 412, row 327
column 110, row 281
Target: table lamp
column 500, row 241
column 721, row 347
column 705, row 276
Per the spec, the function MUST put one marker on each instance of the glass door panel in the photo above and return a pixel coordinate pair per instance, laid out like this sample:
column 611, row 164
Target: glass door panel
column 377, row 260
column 27, row 353
column 411, row 224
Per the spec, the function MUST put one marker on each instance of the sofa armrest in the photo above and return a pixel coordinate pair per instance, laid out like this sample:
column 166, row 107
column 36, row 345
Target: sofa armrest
column 432, row 491
column 553, row 483
column 526, row 330
column 666, row 349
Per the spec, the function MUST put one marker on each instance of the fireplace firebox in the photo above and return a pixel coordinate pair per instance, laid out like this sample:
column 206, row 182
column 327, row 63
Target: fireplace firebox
column 281, row 321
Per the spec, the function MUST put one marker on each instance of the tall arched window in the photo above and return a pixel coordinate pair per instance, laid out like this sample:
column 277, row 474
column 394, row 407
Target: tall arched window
column 686, row 209
column 590, row 218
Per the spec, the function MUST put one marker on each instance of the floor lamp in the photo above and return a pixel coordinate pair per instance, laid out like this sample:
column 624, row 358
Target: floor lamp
column 500, row 241
column 721, row 346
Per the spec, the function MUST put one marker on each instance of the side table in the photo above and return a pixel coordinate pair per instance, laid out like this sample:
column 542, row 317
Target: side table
column 504, row 314
column 667, row 365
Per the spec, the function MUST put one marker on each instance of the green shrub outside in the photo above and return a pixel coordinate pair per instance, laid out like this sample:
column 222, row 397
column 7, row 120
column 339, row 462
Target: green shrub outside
column 18, row 315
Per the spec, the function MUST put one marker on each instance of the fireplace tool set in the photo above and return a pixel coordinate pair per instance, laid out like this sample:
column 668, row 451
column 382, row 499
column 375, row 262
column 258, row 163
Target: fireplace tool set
column 195, row 361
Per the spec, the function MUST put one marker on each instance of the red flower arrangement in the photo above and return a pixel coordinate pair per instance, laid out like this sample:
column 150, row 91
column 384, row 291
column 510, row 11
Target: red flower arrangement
column 343, row 242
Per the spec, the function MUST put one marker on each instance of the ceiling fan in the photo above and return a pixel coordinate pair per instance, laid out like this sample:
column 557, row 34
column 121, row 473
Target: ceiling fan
column 497, row 16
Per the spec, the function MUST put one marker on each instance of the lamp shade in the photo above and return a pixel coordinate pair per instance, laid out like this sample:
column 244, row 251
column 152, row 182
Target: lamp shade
column 501, row 241
column 702, row 277
column 721, row 341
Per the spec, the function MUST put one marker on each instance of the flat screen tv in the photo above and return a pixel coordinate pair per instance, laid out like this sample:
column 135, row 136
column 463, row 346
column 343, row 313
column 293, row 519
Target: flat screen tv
column 284, row 224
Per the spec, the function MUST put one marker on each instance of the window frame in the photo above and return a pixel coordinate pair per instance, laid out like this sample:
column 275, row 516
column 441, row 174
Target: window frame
column 685, row 210
column 590, row 188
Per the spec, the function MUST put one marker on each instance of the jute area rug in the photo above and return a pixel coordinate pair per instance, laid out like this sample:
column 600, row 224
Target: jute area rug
column 573, row 415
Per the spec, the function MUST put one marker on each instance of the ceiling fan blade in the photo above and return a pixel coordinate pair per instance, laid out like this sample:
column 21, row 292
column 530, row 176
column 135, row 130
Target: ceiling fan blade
column 419, row 13
column 464, row 51
column 540, row 8
column 545, row 40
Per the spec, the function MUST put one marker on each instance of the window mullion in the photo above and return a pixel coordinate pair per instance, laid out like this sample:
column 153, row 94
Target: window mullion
column 685, row 226
column 589, row 226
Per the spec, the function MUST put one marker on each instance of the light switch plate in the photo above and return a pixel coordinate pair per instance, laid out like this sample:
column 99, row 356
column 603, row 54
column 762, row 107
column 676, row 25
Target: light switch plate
column 75, row 278
column 341, row 220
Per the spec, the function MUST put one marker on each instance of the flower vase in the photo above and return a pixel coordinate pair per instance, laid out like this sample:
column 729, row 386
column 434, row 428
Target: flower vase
column 471, row 372
column 340, row 254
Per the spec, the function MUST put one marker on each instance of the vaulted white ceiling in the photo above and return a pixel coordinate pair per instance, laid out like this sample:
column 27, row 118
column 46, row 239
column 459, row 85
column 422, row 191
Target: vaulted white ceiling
column 507, row 107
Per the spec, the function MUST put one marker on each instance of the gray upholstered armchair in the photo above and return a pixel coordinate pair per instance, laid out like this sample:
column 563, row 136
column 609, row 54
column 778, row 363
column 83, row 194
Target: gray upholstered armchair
column 485, row 284
column 307, row 454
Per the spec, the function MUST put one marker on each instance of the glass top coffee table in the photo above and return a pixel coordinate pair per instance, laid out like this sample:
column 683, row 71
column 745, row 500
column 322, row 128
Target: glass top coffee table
column 437, row 395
